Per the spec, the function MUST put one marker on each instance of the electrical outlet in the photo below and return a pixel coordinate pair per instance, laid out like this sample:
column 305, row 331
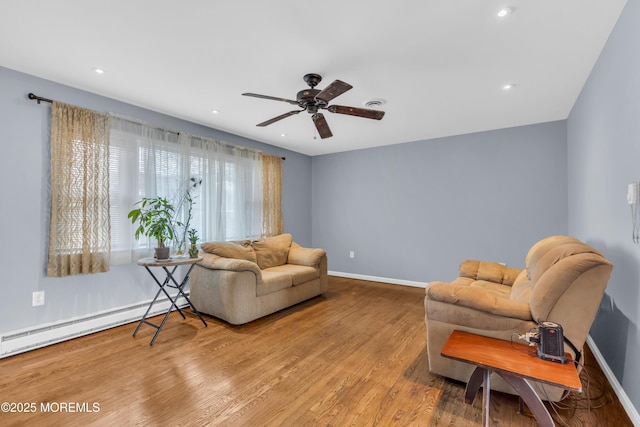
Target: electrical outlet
column 352, row 254
column 37, row 298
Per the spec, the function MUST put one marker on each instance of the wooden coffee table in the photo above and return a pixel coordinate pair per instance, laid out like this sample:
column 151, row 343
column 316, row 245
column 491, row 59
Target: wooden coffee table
column 516, row 363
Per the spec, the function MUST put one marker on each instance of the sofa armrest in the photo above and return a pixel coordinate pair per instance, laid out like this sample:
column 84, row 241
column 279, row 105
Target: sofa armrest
column 310, row 257
column 477, row 299
column 215, row 262
column 489, row 271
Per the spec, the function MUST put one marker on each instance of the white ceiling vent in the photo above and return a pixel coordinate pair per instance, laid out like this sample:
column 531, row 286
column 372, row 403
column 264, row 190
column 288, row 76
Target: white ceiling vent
column 374, row 103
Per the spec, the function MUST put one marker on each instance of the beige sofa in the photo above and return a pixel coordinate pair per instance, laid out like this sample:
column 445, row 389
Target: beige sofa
column 243, row 280
column 563, row 282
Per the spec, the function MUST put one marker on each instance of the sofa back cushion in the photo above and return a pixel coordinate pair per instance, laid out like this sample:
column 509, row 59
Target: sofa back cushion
column 241, row 249
column 543, row 246
column 568, row 280
column 272, row 251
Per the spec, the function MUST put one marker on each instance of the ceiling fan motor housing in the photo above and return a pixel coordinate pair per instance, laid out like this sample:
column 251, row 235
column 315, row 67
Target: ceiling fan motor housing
column 307, row 100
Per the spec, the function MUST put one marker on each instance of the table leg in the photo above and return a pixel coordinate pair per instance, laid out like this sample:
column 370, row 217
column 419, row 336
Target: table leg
column 174, row 300
column 486, row 394
column 474, row 384
column 529, row 396
column 180, row 288
column 144, row 318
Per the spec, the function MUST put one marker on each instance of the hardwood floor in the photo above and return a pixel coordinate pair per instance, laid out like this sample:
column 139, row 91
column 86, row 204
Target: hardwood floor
column 355, row 356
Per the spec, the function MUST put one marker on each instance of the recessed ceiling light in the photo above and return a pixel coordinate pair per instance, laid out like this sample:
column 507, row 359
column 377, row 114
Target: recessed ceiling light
column 98, row 70
column 505, row 11
column 508, row 86
column 283, row 134
column 215, row 111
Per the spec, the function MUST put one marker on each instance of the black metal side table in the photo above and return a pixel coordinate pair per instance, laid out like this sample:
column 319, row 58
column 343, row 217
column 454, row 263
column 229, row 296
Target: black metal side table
column 170, row 266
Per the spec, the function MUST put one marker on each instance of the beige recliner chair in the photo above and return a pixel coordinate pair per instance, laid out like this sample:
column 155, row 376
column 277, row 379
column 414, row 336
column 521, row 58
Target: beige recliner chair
column 563, row 282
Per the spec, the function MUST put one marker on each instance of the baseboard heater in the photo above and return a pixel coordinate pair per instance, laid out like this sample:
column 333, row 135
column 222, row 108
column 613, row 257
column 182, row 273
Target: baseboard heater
column 21, row 341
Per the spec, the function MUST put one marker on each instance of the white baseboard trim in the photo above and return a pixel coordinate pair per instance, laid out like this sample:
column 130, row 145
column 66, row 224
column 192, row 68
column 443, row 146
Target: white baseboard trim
column 20, row 341
column 379, row 279
column 631, row 410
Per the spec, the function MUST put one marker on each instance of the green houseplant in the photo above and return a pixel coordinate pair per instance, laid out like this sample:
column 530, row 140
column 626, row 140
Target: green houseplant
column 154, row 216
column 193, row 238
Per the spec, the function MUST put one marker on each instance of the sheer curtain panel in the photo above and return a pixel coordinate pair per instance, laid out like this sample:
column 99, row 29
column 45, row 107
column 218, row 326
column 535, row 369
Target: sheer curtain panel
column 79, row 231
column 223, row 182
column 272, row 223
column 144, row 162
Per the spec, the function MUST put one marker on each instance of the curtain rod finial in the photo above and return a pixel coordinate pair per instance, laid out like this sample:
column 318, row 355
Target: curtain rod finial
column 33, row 96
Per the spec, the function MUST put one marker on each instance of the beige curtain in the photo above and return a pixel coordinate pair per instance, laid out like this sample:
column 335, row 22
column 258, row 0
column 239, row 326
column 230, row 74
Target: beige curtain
column 79, row 231
column 272, row 195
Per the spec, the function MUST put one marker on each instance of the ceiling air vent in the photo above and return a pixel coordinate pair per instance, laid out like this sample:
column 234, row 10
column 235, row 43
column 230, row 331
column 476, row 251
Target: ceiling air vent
column 374, row 103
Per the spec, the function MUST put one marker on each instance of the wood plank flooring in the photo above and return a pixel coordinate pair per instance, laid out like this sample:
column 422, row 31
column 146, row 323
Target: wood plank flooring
column 353, row 357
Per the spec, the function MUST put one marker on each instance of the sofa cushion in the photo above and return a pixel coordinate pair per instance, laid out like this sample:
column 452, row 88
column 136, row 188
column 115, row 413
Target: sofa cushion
column 492, row 287
column 299, row 273
column 310, row 257
column 241, row 249
column 273, row 281
column 521, row 291
column 496, row 289
column 272, row 251
column 477, row 299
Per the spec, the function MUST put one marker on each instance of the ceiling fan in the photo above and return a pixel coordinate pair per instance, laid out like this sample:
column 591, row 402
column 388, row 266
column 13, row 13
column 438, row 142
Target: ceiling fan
column 312, row 100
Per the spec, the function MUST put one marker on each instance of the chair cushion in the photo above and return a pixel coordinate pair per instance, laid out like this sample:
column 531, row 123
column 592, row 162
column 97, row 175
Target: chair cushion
column 272, row 251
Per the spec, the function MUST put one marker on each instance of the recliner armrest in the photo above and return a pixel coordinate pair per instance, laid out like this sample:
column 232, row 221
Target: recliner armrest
column 489, row 271
column 477, row 299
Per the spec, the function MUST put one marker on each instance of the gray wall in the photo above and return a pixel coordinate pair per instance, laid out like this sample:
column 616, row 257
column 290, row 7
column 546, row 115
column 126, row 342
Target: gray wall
column 24, row 166
column 603, row 134
column 414, row 211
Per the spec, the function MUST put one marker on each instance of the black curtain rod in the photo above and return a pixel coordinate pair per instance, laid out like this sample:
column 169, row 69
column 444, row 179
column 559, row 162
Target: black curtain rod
column 39, row 99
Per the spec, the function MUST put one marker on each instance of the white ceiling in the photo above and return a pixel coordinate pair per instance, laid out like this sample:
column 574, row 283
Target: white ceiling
column 440, row 64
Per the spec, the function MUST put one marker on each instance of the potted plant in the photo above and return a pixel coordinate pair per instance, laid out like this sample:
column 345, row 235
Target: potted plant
column 193, row 238
column 155, row 219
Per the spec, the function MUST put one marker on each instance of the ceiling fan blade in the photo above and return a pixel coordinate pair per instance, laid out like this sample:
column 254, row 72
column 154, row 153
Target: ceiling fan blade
column 280, row 117
column 322, row 125
column 359, row 112
column 338, row 87
column 273, row 98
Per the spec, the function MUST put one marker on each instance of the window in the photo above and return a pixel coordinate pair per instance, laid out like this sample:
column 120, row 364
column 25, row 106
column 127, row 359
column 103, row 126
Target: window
column 224, row 181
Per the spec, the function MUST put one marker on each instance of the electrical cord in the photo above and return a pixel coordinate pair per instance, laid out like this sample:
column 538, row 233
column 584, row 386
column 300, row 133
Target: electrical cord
column 571, row 401
column 574, row 402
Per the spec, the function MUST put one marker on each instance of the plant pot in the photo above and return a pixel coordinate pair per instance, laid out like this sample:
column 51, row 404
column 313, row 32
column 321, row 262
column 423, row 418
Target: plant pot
column 162, row 253
column 193, row 251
